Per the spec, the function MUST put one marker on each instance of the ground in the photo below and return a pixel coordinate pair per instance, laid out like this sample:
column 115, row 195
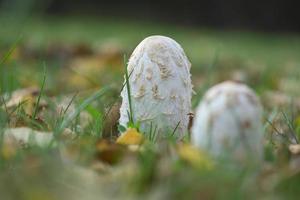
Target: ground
column 63, row 76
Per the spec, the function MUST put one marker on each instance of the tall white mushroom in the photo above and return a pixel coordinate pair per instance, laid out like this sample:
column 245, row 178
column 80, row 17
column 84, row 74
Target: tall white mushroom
column 160, row 84
column 228, row 122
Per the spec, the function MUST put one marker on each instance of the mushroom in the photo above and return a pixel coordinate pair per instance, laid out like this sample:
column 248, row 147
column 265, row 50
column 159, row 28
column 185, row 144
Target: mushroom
column 228, row 122
column 161, row 88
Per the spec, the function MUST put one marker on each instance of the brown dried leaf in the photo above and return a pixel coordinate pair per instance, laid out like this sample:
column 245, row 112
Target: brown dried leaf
column 110, row 124
column 27, row 136
column 27, row 97
column 109, row 152
column 294, row 148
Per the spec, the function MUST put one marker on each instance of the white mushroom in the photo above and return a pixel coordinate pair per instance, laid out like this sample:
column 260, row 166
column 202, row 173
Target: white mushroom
column 160, row 84
column 228, row 122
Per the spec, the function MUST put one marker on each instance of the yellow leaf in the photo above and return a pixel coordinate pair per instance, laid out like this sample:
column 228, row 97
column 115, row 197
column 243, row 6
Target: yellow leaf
column 130, row 137
column 195, row 157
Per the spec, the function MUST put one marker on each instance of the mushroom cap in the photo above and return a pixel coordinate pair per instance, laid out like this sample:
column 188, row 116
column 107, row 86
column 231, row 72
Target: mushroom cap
column 228, row 122
column 160, row 84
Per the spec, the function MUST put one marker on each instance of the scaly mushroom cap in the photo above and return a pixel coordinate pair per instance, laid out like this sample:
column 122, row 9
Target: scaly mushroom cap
column 160, row 84
column 228, row 122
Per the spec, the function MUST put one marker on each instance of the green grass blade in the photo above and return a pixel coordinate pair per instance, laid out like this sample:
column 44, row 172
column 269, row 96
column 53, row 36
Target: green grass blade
column 128, row 92
column 10, row 51
column 291, row 127
column 66, row 122
column 40, row 94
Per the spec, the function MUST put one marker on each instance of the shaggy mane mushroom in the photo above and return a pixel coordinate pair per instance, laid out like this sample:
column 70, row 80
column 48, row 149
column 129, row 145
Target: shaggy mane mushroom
column 161, row 88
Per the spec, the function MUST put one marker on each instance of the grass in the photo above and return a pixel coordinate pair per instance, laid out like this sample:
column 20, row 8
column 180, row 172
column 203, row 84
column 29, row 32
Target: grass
column 89, row 166
column 130, row 111
column 40, row 94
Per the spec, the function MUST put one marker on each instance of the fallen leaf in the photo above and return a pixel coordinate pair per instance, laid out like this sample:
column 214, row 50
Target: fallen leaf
column 27, row 97
column 27, row 136
column 294, row 148
column 130, row 137
column 194, row 156
column 109, row 152
column 110, row 124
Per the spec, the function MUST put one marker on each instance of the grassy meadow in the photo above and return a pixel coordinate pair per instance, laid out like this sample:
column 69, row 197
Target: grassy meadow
column 61, row 77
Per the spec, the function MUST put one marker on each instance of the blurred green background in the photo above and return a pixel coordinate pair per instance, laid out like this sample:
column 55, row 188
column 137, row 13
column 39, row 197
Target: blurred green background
column 78, row 47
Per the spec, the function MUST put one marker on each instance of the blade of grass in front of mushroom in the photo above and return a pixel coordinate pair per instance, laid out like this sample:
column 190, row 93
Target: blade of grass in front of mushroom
column 120, row 127
column 155, row 134
column 129, row 112
column 152, row 135
column 150, row 131
column 171, row 135
column 175, row 129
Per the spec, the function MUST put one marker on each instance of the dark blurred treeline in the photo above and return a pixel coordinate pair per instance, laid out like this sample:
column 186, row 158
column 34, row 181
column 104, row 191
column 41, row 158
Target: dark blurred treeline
column 273, row 15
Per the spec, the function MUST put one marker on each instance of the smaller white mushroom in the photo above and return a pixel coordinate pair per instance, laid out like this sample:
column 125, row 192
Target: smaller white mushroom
column 228, row 123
